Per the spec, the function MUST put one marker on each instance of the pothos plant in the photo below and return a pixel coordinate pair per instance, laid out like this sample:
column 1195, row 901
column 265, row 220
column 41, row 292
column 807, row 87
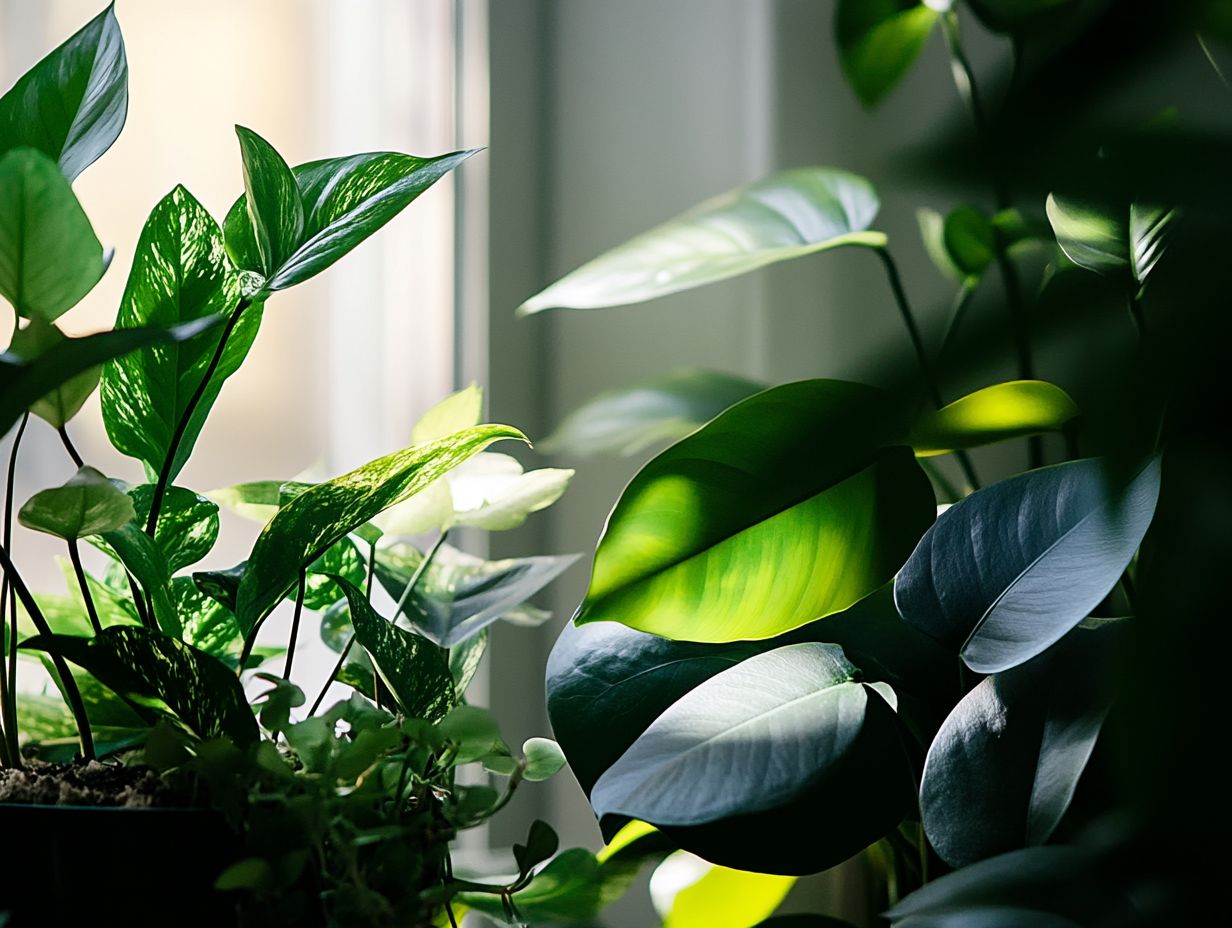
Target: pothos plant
column 816, row 628
column 347, row 809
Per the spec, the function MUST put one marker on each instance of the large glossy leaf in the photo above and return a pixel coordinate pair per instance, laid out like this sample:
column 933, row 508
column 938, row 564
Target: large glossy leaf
column 878, row 41
column 415, row 670
column 49, row 255
column 996, row 413
column 688, row 892
column 788, row 735
column 208, row 624
column 187, row 526
column 1111, row 237
column 154, row 670
column 71, row 105
column 272, row 199
column 341, row 559
column 87, row 504
column 24, row 382
column 460, row 595
column 743, row 530
column 66, row 400
column 666, row 408
column 343, row 202
column 1004, row 766
column 1013, row 567
column 320, row 516
column 788, row 215
column 179, row 274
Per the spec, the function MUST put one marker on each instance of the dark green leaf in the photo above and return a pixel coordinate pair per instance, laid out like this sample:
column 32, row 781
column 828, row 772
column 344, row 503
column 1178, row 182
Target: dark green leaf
column 88, row 504
column 272, row 199
column 996, row 413
column 788, row 215
column 49, row 255
column 663, row 409
column 315, row 520
column 179, row 274
column 142, row 665
column 1111, row 237
column 415, row 670
column 143, row 559
column 990, row 917
column 473, row 731
column 65, row 401
column 221, row 585
column 187, row 525
column 343, row 201
column 1004, row 766
column 276, row 704
column 1013, row 567
column 742, row 530
column 342, row 559
column 541, row 844
column 961, row 244
column 878, row 41
column 464, row 661
column 208, row 624
column 71, row 105
column 24, row 383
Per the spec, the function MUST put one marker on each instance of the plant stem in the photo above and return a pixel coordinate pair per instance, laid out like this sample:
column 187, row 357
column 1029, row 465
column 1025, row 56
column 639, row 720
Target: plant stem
column 72, row 694
column 419, row 572
column 1135, row 312
column 74, row 554
column 299, row 609
column 69, row 447
column 177, row 437
column 143, row 611
column 8, row 606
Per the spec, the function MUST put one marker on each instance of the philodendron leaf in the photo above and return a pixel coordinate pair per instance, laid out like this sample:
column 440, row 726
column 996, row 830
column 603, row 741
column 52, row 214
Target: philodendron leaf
column 962, row 244
column 1004, row 766
column 415, row 670
column 71, row 105
column 1111, row 237
column 688, row 892
column 66, row 400
column 996, row 413
column 879, row 40
column 787, row 215
column 460, row 410
column 179, row 273
column 24, row 382
column 782, row 737
column 273, row 201
column 49, row 255
column 88, row 504
column 341, row 559
column 541, row 843
column 222, row 586
column 666, row 408
column 308, row 525
column 142, row 557
column 544, row 759
column 1010, row 569
column 187, row 526
column 343, row 201
column 152, row 669
column 743, row 530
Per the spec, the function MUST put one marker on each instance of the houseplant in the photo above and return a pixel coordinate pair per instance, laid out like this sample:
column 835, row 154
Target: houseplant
column 244, row 805
column 794, row 657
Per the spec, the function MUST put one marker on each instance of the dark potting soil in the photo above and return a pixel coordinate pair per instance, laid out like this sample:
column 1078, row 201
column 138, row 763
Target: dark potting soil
column 89, row 783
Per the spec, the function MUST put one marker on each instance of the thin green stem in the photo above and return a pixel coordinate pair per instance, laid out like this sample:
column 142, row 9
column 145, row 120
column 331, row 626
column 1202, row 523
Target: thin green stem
column 419, row 572
column 8, row 605
column 299, row 610
column 177, row 437
column 1210, row 58
column 1134, row 305
column 139, row 603
column 74, row 555
column 962, row 302
column 62, row 431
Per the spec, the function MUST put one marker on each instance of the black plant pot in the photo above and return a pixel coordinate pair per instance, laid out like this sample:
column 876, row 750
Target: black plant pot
column 63, row 865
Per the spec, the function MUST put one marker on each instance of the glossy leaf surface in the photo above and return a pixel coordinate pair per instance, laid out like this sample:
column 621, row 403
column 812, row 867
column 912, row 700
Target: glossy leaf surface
column 1111, row 237
column 878, row 41
column 66, row 400
column 996, row 413
column 788, row 215
column 1013, row 567
column 87, row 504
column 272, row 199
column 142, row 557
column 187, row 526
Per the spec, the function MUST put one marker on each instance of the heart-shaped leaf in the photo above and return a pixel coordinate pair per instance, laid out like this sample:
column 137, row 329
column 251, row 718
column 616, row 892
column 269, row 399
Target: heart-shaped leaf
column 308, row 525
column 1004, row 766
column 742, row 530
column 541, row 843
column 149, row 669
column 179, row 274
column 996, row 413
column 88, row 504
column 666, row 408
column 878, row 41
column 66, row 400
column 544, row 759
column 788, row 215
column 962, row 244
column 49, row 255
column 1013, row 567
column 71, row 105
column 187, row 526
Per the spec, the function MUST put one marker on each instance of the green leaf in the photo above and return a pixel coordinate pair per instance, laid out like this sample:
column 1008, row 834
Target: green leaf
column 273, row 201
column 464, row 661
column 250, row 873
column 71, row 105
column 141, row 665
column 341, row 559
column 783, row 737
column 143, row 558
column 742, row 530
column 788, row 215
column 962, row 244
column 1004, row 766
column 49, row 255
column 690, row 893
column 179, row 274
column 996, row 413
column 24, row 382
column 458, row 411
column 87, row 504
column 208, row 624
column 187, row 525
column 343, row 202
column 1110, row 237
column 472, row 730
column 311, row 523
column 667, row 408
column 1010, row 569
column 66, row 400
column 541, row 843
column 544, row 759
column 222, row 586
column 258, row 501
column 415, row 670
column 878, row 41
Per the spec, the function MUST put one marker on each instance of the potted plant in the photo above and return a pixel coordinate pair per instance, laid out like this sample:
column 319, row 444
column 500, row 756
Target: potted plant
column 177, row 773
column 825, row 625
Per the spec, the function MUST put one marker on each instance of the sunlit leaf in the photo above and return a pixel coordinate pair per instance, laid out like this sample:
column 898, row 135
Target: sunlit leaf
column 1111, row 237
column 142, row 558
column 996, row 413
column 272, row 199
column 878, row 41
column 688, row 892
column 66, row 400
column 458, row 411
column 87, row 504
column 187, row 526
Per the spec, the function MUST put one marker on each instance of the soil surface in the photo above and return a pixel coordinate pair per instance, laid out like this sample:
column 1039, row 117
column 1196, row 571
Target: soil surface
column 88, row 783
